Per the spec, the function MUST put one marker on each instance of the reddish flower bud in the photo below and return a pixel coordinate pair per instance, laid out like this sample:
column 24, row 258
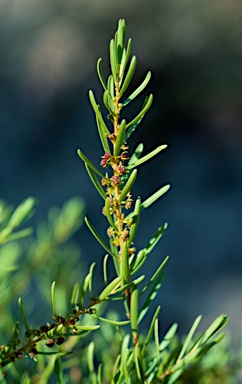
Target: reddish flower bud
column 50, row 343
column 103, row 181
column 116, row 180
column 105, row 159
column 112, row 137
column 121, row 168
column 124, row 156
column 60, row 340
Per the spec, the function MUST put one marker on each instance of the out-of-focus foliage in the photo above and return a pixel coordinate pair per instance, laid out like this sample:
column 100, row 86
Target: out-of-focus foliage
column 34, row 262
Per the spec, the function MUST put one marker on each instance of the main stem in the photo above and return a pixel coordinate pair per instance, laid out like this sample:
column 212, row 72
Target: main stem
column 118, row 210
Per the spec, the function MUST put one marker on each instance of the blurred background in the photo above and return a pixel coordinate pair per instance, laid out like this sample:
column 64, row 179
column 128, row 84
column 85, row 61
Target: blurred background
column 48, row 53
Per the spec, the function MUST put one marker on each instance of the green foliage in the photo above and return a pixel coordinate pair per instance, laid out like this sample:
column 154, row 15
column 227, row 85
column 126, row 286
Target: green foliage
column 120, row 351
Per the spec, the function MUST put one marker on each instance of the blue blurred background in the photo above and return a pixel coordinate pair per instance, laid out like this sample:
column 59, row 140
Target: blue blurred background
column 49, row 51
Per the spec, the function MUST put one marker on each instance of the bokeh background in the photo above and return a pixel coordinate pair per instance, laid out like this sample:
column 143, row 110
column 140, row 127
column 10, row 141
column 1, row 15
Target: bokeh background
column 48, row 54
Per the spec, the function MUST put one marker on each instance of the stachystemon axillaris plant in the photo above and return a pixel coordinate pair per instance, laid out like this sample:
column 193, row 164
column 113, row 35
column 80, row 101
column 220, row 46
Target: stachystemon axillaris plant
column 143, row 356
column 122, row 211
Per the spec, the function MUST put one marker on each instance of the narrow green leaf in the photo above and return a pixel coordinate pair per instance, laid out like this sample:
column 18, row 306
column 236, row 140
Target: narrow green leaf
column 86, row 327
column 112, row 52
column 22, row 213
column 135, row 221
column 137, row 153
column 136, row 282
column 113, row 322
column 155, row 275
column 129, row 76
column 111, row 86
column 107, row 101
column 120, row 41
column 147, row 157
column 100, row 73
column 215, row 327
column 110, row 288
column 90, row 362
column 189, row 337
column 137, row 362
column 98, row 237
column 87, row 283
column 138, row 261
column 128, row 185
column 134, row 311
column 138, row 90
column 142, row 112
column 157, row 341
column 103, row 130
column 53, row 298
column 152, row 242
column 95, row 181
column 88, row 162
column 102, row 134
column 6, row 236
column 133, row 127
column 20, row 303
column 151, row 330
column 59, row 371
column 155, row 197
column 75, row 294
column 120, row 138
column 105, row 275
column 125, row 59
column 168, row 337
column 124, row 358
column 152, row 295
column 100, row 374
column 125, row 263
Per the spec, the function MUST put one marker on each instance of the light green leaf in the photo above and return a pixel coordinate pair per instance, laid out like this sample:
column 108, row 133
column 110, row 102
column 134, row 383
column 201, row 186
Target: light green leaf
column 113, row 322
column 142, row 112
column 110, row 288
column 100, row 73
column 124, row 61
column 137, row 153
column 59, row 371
column 154, row 240
column 20, row 303
column 102, row 134
column 155, row 197
column 125, row 263
column 138, row 90
column 157, row 274
column 129, row 76
column 128, row 185
column 90, row 362
column 151, row 330
column 189, row 337
column 113, row 63
column 95, row 181
column 75, row 294
column 134, row 310
column 88, row 162
column 53, row 297
column 146, row 157
column 135, row 221
column 98, row 237
column 22, row 213
column 120, row 138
